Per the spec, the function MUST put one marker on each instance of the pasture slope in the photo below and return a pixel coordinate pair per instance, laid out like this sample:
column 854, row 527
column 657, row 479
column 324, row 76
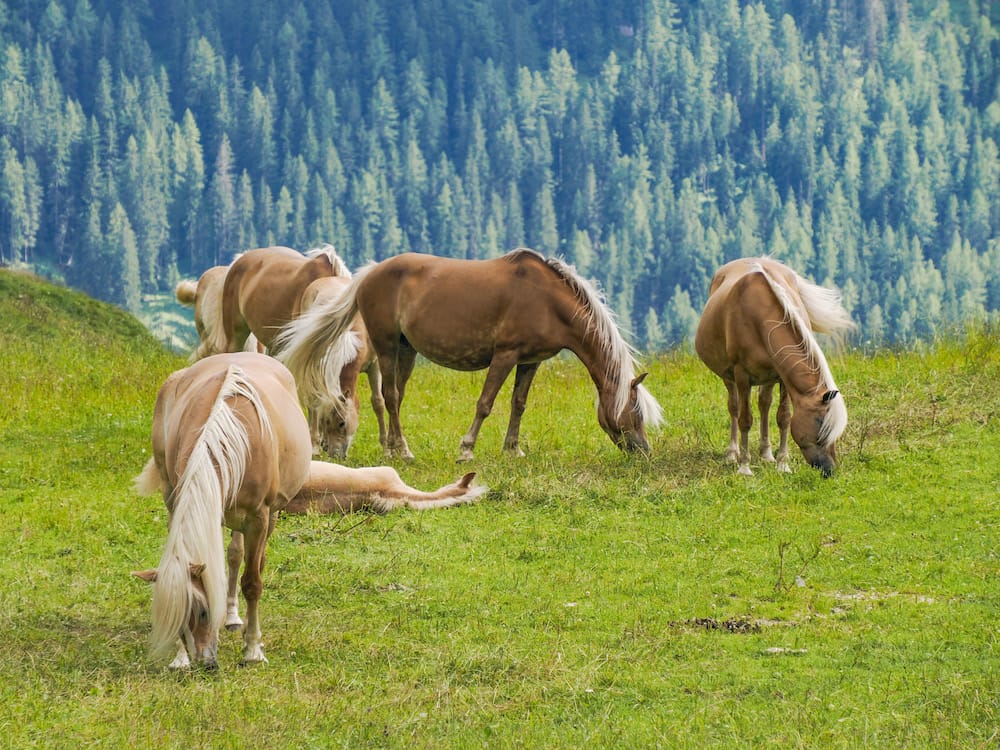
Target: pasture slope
column 590, row 599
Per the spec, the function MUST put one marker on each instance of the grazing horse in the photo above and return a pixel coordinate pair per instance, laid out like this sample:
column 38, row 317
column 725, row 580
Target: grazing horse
column 334, row 409
column 757, row 330
column 205, row 295
column 509, row 312
column 230, row 446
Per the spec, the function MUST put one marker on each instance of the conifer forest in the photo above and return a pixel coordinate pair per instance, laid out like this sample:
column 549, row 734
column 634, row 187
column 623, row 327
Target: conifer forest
column 645, row 142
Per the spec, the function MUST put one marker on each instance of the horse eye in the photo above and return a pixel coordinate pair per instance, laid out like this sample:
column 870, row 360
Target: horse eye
column 203, row 616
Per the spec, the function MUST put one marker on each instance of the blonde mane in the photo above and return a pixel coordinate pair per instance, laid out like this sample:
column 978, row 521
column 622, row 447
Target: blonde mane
column 208, row 485
column 835, row 420
column 339, row 266
column 601, row 324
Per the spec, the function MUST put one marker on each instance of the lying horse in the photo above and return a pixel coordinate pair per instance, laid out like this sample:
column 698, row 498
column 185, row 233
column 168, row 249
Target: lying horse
column 757, row 330
column 230, row 446
column 205, row 295
column 510, row 312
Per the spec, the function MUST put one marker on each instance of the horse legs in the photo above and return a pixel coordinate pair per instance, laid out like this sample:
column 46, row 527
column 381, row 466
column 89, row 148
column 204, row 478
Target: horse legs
column 499, row 369
column 523, row 376
column 764, row 397
column 744, row 418
column 396, row 366
column 378, row 400
column 257, row 531
column 784, row 420
column 234, row 556
column 733, row 451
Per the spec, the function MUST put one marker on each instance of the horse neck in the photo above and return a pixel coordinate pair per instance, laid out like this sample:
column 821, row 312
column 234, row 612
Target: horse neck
column 797, row 360
column 610, row 377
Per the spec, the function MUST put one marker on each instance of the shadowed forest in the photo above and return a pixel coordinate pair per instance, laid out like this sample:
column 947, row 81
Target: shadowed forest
column 646, row 143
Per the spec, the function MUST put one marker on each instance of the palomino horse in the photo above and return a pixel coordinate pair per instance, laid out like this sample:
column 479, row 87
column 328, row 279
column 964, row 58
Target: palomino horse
column 230, row 444
column 510, row 312
column 267, row 288
column 205, row 295
column 334, row 409
column 757, row 330
column 263, row 291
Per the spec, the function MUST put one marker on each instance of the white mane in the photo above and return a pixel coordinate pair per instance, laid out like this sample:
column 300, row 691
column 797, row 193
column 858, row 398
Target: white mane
column 821, row 299
column 621, row 356
column 339, row 266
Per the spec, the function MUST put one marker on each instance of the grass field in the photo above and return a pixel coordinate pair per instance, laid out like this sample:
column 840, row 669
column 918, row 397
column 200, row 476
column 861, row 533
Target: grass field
column 590, row 599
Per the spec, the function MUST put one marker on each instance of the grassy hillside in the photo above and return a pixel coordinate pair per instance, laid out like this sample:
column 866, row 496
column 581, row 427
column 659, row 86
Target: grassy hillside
column 589, row 599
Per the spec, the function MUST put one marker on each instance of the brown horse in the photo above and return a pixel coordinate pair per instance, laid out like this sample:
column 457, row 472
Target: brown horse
column 757, row 330
column 230, row 444
column 510, row 312
column 205, row 295
column 334, row 409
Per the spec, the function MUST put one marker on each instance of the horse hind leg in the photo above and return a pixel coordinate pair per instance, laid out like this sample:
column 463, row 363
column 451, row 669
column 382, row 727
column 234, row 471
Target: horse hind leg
column 252, row 585
column 744, row 420
column 234, row 556
column 396, row 366
column 764, row 398
column 733, row 451
column 377, row 400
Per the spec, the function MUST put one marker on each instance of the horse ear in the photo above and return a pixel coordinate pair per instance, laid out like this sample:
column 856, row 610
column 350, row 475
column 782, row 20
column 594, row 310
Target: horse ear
column 829, row 396
column 149, row 576
column 638, row 379
column 196, row 569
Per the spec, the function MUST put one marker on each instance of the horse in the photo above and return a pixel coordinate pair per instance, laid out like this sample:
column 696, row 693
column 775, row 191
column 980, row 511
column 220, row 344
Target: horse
column 267, row 288
column 333, row 488
column 334, row 409
column 205, row 295
column 503, row 314
column 230, row 445
column 757, row 329
column 263, row 290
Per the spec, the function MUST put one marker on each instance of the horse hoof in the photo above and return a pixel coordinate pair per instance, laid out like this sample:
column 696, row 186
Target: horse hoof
column 784, row 468
column 235, row 625
column 745, row 471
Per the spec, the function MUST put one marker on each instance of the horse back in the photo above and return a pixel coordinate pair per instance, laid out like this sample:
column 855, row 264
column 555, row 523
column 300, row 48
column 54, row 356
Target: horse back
column 280, row 454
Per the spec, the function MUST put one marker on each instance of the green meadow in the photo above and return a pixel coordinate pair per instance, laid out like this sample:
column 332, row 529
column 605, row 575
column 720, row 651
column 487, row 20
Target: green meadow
column 590, row 599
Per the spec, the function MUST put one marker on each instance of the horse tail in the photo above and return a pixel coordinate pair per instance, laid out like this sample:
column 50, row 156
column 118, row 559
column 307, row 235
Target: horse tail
column 308, row 344
column 603, row 325
column 825, row 309
column 186, row 291
column 208, row 485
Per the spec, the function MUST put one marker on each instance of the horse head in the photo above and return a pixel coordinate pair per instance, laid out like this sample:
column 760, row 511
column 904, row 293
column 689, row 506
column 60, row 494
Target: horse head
column 197, row 633
column 815, row 427
column 627, row 427
column 336, row 422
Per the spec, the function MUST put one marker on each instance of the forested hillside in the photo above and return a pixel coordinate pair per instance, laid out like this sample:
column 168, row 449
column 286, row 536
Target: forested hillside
column 646, row 142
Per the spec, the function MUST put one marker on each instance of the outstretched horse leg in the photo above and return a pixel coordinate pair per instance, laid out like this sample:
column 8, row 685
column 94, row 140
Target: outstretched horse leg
column 500, row 367
column 396, row 364
column 784, row 420
column 234, row 556
column 523, row 376
column 257, row 531
column 765, row 395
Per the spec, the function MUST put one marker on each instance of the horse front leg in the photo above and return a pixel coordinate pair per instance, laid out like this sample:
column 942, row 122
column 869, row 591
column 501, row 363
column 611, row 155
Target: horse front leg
column 234, row 556
column 765, row 395
column 784, row 417
column 499, row 369
column 733, row 404
column 523, row 376
column 257, row 532
column 396, row 366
